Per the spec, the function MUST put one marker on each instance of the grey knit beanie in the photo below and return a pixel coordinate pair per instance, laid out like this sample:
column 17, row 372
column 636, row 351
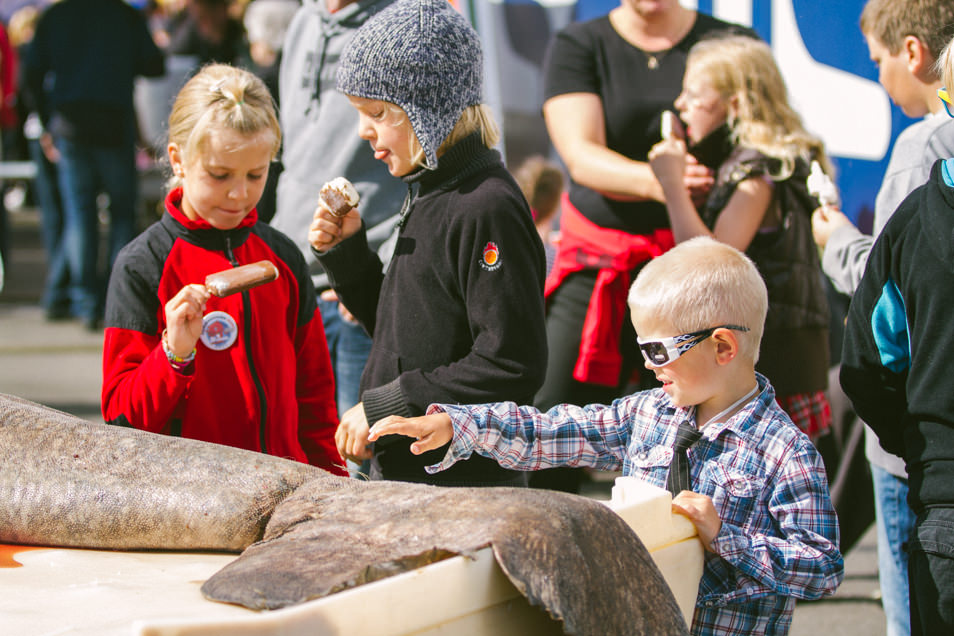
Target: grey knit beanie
column 421, row 55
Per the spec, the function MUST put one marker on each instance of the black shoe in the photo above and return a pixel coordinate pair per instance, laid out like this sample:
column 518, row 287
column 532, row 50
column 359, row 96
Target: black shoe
column 58, row 314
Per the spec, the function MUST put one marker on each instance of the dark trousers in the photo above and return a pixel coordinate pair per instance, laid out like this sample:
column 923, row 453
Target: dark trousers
column 931, row 573
column 566, row 313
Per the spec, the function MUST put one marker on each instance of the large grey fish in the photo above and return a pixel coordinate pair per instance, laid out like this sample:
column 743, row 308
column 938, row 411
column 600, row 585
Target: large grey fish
column 306, row 533
column 68, row 482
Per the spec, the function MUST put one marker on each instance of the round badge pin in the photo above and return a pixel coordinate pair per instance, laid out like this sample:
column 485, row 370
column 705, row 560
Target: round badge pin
column 490, row 258
column 219, row 330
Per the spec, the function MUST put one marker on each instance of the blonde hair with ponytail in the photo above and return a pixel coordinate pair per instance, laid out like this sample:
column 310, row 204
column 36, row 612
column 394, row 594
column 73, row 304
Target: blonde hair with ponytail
column 223, row 96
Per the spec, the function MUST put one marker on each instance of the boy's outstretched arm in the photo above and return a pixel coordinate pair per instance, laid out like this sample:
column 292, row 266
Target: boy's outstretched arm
column 518, row 437
column 431, row 431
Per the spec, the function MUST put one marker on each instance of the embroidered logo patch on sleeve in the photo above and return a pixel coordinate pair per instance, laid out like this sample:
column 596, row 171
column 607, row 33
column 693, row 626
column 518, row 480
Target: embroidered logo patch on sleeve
column 490, row 260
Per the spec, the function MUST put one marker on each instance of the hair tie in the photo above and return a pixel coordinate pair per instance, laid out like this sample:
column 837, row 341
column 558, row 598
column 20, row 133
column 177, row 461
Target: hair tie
column 218, row 90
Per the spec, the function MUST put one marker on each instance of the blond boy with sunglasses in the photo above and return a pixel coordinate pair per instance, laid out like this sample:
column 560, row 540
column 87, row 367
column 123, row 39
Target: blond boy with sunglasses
column 750, row 481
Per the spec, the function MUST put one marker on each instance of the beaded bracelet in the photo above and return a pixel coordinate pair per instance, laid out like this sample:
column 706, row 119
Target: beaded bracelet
column 178, row 363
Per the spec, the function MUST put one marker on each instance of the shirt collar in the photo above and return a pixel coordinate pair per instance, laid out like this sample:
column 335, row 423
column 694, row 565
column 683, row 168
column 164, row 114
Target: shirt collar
column 752, row 410
column 460, row 162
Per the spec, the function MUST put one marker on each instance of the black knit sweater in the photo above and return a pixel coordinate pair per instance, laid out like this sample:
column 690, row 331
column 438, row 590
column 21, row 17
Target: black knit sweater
column 458, row 316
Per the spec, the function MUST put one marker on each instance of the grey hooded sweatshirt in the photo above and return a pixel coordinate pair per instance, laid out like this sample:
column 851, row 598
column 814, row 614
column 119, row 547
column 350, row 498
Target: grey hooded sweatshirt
column 320, row 130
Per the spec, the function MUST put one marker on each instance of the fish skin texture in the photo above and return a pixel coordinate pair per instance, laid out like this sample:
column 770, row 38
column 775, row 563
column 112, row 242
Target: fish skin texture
column 305, row 533
column 72, row 483
column 570, row 555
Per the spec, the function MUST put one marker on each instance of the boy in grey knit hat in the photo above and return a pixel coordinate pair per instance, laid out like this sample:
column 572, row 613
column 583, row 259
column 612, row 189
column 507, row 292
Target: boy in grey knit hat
column 423, row 56
column 458, row 317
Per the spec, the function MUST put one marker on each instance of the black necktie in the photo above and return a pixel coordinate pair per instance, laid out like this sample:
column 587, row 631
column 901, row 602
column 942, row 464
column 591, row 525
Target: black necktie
column 686, row 436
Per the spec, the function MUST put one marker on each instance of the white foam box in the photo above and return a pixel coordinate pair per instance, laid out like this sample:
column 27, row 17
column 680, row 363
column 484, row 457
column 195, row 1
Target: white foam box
column 86, row 592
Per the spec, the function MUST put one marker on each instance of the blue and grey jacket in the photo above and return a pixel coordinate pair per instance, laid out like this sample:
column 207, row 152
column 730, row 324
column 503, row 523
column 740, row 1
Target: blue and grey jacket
column 899, row 339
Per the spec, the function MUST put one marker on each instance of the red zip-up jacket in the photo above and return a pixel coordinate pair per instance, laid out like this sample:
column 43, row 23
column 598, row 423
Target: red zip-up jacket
column 269, row 390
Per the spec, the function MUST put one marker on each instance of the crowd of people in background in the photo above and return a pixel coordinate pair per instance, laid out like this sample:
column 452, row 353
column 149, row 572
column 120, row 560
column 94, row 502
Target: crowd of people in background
column 90, row 132
column 709, row 146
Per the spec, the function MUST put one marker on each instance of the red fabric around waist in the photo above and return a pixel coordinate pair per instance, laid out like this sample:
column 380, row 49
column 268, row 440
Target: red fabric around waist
column 585, row 245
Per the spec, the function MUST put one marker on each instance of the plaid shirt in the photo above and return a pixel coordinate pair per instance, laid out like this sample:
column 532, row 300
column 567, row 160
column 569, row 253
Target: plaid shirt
column 779, row 536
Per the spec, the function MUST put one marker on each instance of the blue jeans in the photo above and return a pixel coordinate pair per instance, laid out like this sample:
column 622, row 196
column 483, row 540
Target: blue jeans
column 349, row 346
column 84, row 171
column 895, row 523
column 56, row 293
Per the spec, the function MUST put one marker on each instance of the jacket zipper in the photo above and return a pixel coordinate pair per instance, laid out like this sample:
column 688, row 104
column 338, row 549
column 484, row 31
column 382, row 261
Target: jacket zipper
column 407, row 205
column 387, row 249
column 247, row 338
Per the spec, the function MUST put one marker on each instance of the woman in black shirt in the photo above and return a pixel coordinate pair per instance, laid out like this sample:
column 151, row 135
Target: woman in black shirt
column 607, row 82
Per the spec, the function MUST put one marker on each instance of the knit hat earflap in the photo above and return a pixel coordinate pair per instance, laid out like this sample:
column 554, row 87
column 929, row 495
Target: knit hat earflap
column 421, row 55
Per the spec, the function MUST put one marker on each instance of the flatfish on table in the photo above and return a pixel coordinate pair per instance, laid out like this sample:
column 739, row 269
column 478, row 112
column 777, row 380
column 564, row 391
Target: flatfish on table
column 306, row 533
column 571, row 555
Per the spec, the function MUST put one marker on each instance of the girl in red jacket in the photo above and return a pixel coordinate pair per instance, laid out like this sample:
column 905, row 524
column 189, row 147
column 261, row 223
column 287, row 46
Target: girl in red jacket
column 250, row 370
